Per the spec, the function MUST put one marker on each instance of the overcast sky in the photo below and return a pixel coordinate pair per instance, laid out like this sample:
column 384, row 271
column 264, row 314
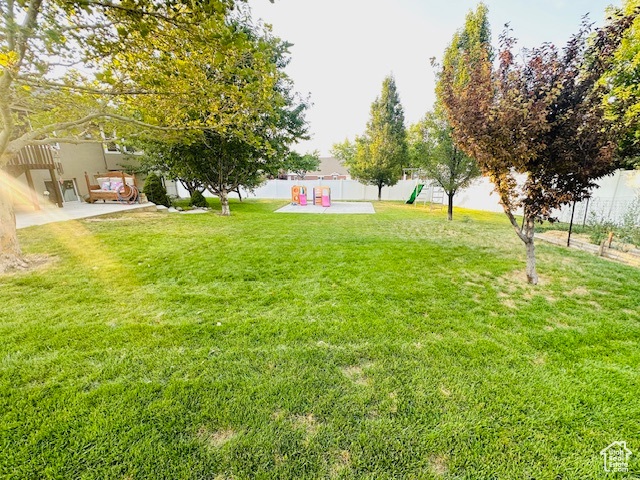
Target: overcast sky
column 343, row 49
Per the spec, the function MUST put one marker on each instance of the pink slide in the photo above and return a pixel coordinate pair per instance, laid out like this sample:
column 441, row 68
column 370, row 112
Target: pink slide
column 303, row 199
column 326, row 201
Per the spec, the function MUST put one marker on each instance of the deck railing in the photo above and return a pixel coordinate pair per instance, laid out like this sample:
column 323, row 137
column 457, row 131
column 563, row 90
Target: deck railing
column 35, row 157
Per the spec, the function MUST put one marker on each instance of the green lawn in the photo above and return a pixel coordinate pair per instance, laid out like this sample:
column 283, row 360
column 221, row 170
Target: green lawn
column 279, row 346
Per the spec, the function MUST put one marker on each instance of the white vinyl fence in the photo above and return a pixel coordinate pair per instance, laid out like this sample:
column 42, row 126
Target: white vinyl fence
column 479, row 196
column 612, row 200
column 616, row 196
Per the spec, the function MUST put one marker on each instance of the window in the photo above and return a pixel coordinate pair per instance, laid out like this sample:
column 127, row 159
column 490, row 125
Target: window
column 111, row 147
column 129, row 149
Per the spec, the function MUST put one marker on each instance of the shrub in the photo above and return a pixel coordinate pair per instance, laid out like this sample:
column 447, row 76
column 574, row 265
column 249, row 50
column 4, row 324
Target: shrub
column 155, row 191
column 600, row 231
column 626, row 231
column 198, row 200
column 629, row 230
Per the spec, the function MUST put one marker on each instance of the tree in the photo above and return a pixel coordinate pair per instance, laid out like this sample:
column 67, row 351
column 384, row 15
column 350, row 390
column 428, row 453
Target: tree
column 542, row 117
column 241, row 155
column 622, row 81
column 155, row 191
column 175, row 66
column 418, row 145
column 197, row 200
column 169, row 158
column 382, row 150
column 345, row 151
column 432, row 147
column 225, row 163
column 217, row 163
column 84, row 68
column 242, row 152
column 302, row 164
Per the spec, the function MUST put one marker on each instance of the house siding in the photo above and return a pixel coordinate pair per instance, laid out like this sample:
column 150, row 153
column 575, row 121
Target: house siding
column 75, row 161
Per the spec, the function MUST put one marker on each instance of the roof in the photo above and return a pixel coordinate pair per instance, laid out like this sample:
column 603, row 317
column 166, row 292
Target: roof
column 330, row 166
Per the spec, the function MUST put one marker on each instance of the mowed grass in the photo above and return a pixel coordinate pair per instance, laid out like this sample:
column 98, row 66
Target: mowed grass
column 284, row 346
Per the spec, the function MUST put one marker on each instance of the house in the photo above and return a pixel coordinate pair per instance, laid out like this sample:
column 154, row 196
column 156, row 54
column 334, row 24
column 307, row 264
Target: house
column 35, row 161
column 330, row 169
column 55, row 174
column 616, row 457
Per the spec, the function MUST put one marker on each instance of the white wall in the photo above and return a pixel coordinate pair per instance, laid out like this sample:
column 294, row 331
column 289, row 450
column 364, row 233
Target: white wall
column 615, row 196
column 340, row 190
column 612, row 199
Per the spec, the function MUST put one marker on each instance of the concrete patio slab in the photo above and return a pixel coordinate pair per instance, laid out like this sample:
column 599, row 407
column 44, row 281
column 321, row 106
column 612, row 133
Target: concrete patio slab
column 335, row 208
column 74, row 211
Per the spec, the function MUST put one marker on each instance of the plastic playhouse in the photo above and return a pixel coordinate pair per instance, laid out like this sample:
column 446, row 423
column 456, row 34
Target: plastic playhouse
column 321, row 196
column 299, row 195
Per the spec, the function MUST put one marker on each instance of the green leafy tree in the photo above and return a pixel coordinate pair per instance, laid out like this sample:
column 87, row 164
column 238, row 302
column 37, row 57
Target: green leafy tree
column 155, row 191
column 418, row 146
column 542, row 117
column 302, row 164
column 83, row 69
column 382, row 150
column 622, row 81
column 170, row 158
column 226, row 163
column 345, row 151
column 432, row 147
column 241, row 155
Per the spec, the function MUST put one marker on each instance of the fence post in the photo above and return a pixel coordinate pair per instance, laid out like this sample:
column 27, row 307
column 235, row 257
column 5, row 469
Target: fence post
column 573, row 210
column 586, row 210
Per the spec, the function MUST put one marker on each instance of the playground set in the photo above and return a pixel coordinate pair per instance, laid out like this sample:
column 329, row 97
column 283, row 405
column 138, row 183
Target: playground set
column 425, row 190
column 321, row 196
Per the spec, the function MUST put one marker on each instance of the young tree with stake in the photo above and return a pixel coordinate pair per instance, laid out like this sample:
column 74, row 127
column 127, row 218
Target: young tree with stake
column 431, row 147
column 541, row 117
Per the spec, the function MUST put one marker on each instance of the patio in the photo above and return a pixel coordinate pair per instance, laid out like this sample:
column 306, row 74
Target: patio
column 336, row 208
column 74, row 211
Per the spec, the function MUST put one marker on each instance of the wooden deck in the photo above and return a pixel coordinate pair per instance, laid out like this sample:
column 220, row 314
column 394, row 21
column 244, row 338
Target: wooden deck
column 36, row 157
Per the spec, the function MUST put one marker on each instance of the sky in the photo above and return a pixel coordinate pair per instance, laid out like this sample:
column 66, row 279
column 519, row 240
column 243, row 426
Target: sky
column 343, row 49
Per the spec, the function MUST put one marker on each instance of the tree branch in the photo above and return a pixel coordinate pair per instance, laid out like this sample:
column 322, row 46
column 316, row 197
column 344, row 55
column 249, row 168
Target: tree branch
column 514, row 223
column 142, row 13
column 29, row 138
column 80, row 88
column 26, row 29
column 70, row 140
column 10, row 25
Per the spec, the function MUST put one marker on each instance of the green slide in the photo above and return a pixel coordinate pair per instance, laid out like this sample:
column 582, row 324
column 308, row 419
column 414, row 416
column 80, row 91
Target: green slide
column 416, row 192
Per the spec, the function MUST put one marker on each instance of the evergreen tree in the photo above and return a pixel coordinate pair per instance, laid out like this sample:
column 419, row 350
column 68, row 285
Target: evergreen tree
column 155, row 191
column 198, row 200
column 382, row 150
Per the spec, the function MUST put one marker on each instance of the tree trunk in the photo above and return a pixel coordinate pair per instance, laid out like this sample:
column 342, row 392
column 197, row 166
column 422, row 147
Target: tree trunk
column 379, row 191
column 239, row 194
column 573, row 210
column 526, row 233
column 224, row 202
column 10, row 254
column 450, row 207
column 529, row 243
column 532, row 274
